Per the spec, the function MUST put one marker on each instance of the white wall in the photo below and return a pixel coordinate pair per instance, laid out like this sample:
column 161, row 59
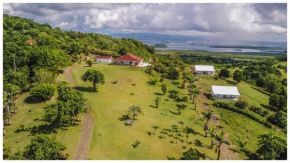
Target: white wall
column 103, row 60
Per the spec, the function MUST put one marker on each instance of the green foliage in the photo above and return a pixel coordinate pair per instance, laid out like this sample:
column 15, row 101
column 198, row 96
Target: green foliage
column 164, row 88
column 259, row 111
column 152, row 81
column 93, row 76
column 241, row 104
column 22, row 127
column 90, row 63
column 134, row 111
column 43, row 147
column 173, row 94
column 149, row 70
column 224, row 73
column 43, row 76
column 238, row 76
column 278, row 102
column 157, row 100
column 273, row 84
column 278, row 119
column 272, row 147
column 172, row 73
column 70, row 103
column 43, row 91
column 191, row 154
column 6, row 151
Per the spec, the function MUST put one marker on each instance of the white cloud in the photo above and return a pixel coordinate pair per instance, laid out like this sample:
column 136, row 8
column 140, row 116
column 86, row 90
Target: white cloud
column 245, row 21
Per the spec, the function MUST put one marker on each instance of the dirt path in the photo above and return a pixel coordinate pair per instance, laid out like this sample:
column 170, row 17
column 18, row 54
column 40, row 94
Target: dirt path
column 227, row 151
column 87, row 122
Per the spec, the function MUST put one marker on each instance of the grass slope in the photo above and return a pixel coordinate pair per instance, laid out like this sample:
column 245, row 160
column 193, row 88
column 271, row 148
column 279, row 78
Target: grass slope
column 113, row 140
column 28, row 113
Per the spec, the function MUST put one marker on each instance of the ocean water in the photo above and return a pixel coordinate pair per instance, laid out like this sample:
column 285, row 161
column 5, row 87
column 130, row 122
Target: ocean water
column 187, row 46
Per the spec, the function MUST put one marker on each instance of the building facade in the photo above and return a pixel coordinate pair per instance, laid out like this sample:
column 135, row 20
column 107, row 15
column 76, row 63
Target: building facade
column 103, row 59
column 225, row 92
column 128, row 59
column 204, row 70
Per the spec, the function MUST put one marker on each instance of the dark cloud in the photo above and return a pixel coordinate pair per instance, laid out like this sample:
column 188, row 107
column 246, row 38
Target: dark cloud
column 244, row 21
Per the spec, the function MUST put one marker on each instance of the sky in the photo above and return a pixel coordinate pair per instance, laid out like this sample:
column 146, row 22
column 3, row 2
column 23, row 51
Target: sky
column 246, row 21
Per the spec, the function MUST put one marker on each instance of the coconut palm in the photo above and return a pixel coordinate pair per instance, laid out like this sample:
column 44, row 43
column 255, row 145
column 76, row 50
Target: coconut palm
column 135, row 111
column 155, row 128
column 212, row 135
column 220, row 138
column 208, row 116
column 196, row 94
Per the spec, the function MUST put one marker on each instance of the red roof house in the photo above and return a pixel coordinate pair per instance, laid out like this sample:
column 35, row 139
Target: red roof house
column 128, row 59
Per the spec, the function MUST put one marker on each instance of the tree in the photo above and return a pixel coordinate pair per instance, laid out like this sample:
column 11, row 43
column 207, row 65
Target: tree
column 90, row 63
column 43, row 147
column 135, row 111
column 278, row 119
column 43, row 91
column 208, row 116
column 196, row 92
column 220, row 138
column 180, row 107
column 260, row 82
column 191, row 154
column 224, row 73
column 271, row 147
column 238, row 76
column 94, row 76
column 164, row 88
column 172, row 73
column 157, row 100
column 278, row 102
column 43, row 76
column 173, row 94
column 70, row 103
column 273, row 84
column 212, row 135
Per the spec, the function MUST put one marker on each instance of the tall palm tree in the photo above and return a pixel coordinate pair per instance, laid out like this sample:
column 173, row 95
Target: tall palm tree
column 135, row 111
column 208, row 116
column 195, row 96
column 220, row 138
column 190, row 89
column 212, row 135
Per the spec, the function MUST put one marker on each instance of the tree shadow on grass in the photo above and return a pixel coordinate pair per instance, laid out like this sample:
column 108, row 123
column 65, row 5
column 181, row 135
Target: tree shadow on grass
column 43, row 129
column 267, row 107
column 207, row 95
column 158, row 93
column 250, row 155
column 202, row 155
column 175, row 82
column 191, row 131
column 152, row 106
column 149, row 133
column 124, row 118
column 265, row 93
column 173, row 112
column 230, row 82
column 198, row 143
column 84, row 89
column 33, row 100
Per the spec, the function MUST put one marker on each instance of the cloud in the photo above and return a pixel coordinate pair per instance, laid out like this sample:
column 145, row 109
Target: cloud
column 240, row 21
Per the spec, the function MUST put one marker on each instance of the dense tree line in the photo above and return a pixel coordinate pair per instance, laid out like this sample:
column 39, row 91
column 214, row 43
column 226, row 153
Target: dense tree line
column 30, row 46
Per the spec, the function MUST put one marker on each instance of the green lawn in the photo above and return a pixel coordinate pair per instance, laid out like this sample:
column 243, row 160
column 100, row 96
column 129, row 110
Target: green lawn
column 113, row 140
column 28, row 113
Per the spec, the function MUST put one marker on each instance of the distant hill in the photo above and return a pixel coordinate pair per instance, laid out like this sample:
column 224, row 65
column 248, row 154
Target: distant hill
column 161, row 46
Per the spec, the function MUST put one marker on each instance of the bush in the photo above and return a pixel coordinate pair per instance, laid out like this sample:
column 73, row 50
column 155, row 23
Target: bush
column 152, row 81
column 278, row 119
column 241, row 104
column 43, row 91
column 259, row 111
column 89, row 62
column 21, row 127
column 224, row 73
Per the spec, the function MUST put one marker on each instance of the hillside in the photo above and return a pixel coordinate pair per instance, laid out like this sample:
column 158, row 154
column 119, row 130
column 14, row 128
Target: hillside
column 41, row 46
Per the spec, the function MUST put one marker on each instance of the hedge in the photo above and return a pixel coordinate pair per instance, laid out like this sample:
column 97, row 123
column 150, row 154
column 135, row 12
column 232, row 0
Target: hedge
column 224, row 105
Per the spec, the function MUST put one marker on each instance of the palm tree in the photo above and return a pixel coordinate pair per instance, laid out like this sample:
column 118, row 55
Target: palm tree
column 181, row 123
column 208, row 116
column 196, row 94
column 155, row 128
column 220, row 138
column 135, row 111
column 212, row 135
column 190, row 89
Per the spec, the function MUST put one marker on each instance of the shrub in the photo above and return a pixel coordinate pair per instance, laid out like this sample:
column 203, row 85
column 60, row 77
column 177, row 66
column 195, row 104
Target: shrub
column 224, row 73
column 278, row 119
column 259, row 111
column 241, row 104
column 89, row 62
column 43, row 91
column 152, row 81
column 21, row 127
column 134, row 84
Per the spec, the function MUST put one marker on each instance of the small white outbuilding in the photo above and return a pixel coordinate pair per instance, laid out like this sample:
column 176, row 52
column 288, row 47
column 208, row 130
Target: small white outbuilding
column 103, row 59
column 225, row 92
column 204, row 69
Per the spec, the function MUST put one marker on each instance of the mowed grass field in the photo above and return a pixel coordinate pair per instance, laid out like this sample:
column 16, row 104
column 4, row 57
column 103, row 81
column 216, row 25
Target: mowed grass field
column 30, row 113
column 240, row 127
column 113, row 140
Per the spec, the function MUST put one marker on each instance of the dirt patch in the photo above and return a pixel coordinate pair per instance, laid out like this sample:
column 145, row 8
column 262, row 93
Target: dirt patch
column 87, row 122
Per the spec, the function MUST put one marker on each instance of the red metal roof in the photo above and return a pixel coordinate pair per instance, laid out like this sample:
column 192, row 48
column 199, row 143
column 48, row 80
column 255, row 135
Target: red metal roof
column 104, row 57
column 129, row 57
